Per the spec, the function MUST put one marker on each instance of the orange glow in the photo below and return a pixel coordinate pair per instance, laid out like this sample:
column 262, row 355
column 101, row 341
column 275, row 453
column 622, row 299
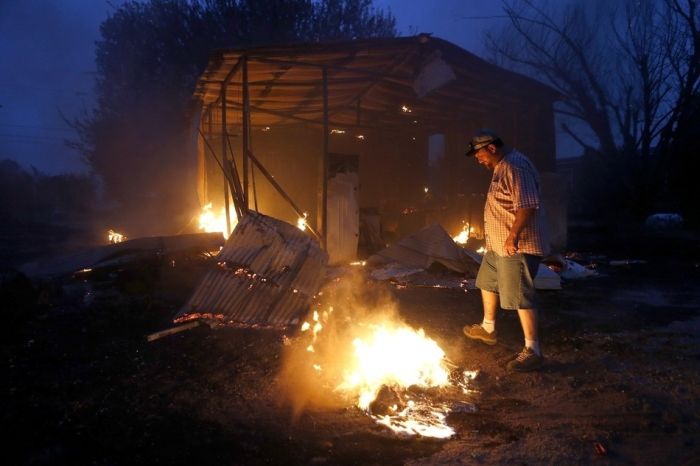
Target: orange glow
column 463, row 236
column 386, row 354
column 393, row 355
column 210, row 221
column 114, row 237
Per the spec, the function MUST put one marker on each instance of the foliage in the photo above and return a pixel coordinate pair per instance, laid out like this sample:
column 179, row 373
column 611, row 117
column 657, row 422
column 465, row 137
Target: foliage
column 148, row 59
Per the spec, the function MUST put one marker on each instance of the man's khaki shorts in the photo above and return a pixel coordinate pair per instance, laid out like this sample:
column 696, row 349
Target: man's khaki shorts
column 512, row 278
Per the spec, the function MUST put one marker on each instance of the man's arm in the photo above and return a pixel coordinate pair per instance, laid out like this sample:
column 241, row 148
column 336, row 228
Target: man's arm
column 521, row 218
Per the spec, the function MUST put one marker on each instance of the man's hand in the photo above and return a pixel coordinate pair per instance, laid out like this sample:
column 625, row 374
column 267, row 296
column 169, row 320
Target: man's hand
column 521, row 218
column 511, row 245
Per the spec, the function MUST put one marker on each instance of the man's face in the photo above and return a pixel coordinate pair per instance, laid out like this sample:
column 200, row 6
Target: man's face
column 488, row 156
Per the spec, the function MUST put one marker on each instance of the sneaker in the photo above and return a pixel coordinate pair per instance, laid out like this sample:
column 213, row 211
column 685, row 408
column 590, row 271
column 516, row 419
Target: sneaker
column 477, row 332
column 525, row 361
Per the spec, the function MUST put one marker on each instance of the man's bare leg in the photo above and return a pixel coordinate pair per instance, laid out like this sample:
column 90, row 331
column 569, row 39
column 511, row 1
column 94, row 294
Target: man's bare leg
column 528, row 321
column 491, row 304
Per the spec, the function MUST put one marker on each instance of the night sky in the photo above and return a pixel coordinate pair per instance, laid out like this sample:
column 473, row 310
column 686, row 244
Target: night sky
column 47, row 66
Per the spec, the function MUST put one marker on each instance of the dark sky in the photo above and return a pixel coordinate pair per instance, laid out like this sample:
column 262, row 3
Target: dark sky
column 47, row 65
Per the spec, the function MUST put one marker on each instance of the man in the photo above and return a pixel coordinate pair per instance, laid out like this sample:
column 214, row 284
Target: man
column 516, row 240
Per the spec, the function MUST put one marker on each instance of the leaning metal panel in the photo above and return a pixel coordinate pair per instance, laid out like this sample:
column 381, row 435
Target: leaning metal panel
column 265, row 276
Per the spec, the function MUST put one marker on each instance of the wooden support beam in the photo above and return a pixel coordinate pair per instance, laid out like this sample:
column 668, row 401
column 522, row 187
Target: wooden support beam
column 227, row 173
column 237, row 189
column 229, row 177
column 324, row 170
column 245, row 121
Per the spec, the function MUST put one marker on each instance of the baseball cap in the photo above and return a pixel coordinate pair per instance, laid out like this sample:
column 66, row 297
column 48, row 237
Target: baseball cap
column 482, row 139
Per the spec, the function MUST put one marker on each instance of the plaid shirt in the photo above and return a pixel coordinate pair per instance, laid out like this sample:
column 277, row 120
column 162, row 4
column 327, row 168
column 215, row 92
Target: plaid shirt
column 515, row 185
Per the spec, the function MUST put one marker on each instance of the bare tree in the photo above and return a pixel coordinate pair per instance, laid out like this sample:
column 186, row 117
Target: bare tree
column 682, row 49
column 626, row 70
column 629, row 76
column 642, row 85
column 563, row 47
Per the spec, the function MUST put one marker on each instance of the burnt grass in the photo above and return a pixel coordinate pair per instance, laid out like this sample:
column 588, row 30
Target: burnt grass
column 83, row 386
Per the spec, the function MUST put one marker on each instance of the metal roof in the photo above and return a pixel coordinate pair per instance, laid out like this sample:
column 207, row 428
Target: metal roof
column 370, row 82
column 266, row 275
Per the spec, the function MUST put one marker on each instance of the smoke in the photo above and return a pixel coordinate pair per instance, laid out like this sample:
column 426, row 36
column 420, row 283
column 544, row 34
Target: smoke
column 315, row 365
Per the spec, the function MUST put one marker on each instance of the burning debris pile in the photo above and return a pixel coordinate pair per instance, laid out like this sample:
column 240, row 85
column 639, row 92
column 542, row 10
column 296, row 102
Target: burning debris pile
column 355, row 350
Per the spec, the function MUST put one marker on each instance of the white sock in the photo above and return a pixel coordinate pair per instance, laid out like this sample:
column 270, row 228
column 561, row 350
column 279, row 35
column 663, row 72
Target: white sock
column 534, row 345
column 489, row 325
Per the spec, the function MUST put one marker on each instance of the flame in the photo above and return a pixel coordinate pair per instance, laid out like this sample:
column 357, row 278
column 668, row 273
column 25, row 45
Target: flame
column 395, row 373
column 209, row 221
column 463, row 236
column 115, row 237
column 394, row 356
column 317, row 327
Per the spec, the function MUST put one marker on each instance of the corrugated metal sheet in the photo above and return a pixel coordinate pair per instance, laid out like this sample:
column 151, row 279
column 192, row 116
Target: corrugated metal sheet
column 425, row 247
column 266, row 275
column 367, row 80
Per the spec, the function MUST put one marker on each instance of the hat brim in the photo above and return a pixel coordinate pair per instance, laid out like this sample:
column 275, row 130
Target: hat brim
column 473, row 147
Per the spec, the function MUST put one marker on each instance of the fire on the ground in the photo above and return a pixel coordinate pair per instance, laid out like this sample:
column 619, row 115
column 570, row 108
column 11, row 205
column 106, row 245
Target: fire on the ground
column 388, row 356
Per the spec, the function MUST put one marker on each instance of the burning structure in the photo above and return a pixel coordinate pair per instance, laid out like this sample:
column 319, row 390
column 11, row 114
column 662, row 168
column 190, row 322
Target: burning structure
column 360, row 139
column 352, row 142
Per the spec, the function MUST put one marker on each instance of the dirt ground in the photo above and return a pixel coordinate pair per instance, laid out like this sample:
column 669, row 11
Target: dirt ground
column 620, row 385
